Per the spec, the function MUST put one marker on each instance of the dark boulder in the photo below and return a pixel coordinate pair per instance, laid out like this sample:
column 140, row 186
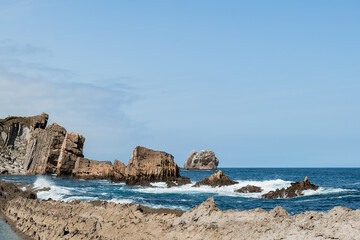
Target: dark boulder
column 249, row 189
column 296, row 189
column 218, row 179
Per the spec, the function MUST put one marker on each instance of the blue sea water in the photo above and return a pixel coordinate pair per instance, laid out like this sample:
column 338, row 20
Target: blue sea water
column 6, row 233
column 338, row 187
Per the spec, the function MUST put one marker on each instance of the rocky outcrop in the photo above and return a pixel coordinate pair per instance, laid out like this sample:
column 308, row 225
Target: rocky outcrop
column 296, row 189
column 94, row 170
column 218, row 179
column 249, row 189
column 14, row 141
column 150, row 165
column 48, row 219
column 9, row 191
column 27, row 146
column 203, row 160
column 44, row 150
column 71, row 150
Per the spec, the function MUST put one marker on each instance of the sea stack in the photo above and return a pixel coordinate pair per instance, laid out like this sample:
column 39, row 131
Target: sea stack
column 203, row 160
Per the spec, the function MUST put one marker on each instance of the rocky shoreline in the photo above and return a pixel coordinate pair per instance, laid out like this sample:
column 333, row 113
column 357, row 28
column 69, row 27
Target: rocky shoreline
column 49, row 219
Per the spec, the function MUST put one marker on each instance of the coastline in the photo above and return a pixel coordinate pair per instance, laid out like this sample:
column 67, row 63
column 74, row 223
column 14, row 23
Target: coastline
column 50, row 219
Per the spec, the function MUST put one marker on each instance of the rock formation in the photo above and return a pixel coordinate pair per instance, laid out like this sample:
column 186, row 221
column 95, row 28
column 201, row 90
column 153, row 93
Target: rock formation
column 249, row 189
column 27, row 146
column 296, row 189
column 71, row 150
column 146, row 165
column 203, row 160
column 93, row 170
column 218, row 179
column 48, row 219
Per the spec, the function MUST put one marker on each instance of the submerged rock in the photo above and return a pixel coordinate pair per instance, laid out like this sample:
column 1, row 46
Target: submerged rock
column 216, row 180
column 203, row 160
column 249, row 189
column 296, row 189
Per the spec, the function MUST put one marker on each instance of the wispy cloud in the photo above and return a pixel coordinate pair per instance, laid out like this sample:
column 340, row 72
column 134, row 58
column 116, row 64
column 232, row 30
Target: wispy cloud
column 93, row 109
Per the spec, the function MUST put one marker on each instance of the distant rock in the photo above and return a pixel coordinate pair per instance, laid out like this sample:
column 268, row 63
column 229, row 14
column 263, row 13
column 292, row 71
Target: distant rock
column 296, row 189
column 249, row 189
column 218, row 179
column 203, row 160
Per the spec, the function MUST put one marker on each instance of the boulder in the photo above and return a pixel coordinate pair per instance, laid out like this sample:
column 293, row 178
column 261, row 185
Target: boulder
column 71, row 150
column 148, row 165
column 218, row 179
column 296, row 189
column 249, row 189
column 178, row 182
column 203, row 160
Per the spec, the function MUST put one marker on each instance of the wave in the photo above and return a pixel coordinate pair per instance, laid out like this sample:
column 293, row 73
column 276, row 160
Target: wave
column 268, row 185
column 326, row 190
column 55, row 192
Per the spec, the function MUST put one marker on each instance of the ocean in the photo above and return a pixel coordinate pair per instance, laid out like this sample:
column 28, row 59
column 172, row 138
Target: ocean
column 338, row 187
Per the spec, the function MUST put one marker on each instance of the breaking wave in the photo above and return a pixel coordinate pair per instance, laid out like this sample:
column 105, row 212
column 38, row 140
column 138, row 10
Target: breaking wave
column 48, row 189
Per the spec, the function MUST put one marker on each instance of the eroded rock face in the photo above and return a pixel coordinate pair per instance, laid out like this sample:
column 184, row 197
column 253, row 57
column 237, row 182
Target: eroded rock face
column 218, row 179
column 150, row 165
column 44, row 149
column 296, row 189
column 71, row 150
column 15, row 134
column 92, row 170
column 203, row 160
column 249, row 189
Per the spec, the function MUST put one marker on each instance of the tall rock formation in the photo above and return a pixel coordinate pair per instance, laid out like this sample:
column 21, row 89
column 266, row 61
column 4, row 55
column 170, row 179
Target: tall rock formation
column 71, row 150
column 151, row 165
column 44, row 149
column 14, row 141
column 203, row 160
column 27, row 146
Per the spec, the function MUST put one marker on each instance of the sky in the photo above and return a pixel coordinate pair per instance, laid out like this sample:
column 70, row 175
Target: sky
column 261, row 83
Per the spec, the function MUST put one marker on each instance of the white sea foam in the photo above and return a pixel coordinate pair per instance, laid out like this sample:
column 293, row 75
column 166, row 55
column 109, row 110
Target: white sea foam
column 326, row 190
column 82, row 198
column 121, row 200
column 55, row 192
column 268, row 185
column 157, row 206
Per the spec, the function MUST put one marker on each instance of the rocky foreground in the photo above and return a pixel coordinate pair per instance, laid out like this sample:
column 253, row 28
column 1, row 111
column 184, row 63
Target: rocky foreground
column 48, row 219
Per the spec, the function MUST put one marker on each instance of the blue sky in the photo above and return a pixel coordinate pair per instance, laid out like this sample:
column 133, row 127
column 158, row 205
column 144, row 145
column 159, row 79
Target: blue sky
column 262, row 83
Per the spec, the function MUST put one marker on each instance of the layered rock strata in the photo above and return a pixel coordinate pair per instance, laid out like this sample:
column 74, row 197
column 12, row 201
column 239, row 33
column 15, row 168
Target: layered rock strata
column 203, row 160
column 296, row 189
column 105, row 220
column 218, row 179
column 147, row 165
column 27, row 146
